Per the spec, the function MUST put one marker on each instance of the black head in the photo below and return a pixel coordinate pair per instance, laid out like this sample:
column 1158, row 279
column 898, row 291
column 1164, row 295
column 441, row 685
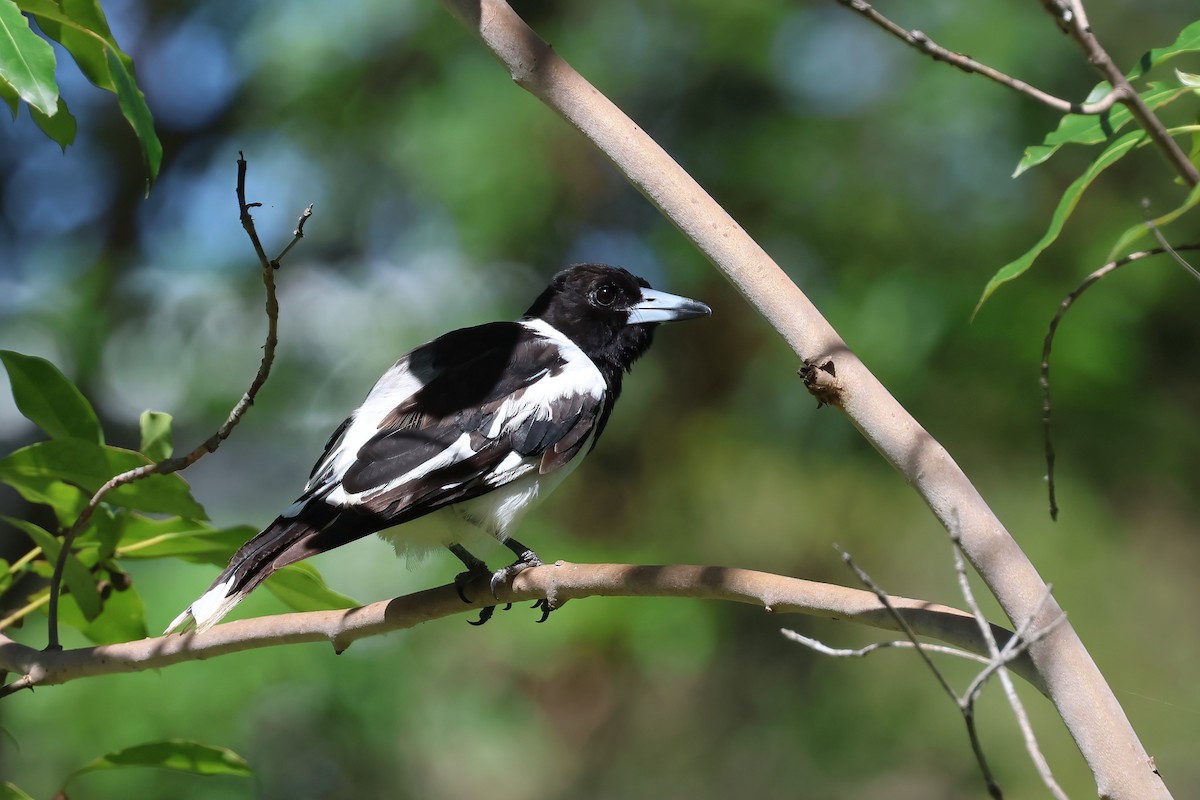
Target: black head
column 609, row 313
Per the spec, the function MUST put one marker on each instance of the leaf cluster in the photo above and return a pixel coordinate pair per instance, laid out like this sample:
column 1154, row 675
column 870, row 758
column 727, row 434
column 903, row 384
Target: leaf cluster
column 153, row 518
column 1105, row 129
column 27, row 69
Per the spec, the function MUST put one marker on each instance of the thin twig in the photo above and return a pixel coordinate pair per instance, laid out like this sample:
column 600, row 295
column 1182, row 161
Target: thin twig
column 966, row 709
column 1048, row 344
column 818, row 646
column 1164, row 244
column 210, row 445
column 297, row 235
column 999, row 658
column 886, row 601
column 921, row 42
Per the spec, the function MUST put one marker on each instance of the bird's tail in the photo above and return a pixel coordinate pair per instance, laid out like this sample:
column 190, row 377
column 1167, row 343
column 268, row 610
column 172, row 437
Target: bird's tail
column 283, row 542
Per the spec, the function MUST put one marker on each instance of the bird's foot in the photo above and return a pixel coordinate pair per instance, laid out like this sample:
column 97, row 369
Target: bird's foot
column 525, row 559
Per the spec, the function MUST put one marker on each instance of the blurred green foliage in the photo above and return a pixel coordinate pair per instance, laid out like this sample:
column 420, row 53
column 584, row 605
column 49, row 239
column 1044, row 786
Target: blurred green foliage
column 444, row 196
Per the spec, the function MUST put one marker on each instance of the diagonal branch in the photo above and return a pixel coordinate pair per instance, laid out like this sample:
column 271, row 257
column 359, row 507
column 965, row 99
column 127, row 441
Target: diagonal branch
column 1089, row 708
column 210, row 445
column 563, row 581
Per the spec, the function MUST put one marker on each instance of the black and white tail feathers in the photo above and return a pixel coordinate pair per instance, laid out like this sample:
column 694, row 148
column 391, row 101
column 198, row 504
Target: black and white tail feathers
column 285, row 541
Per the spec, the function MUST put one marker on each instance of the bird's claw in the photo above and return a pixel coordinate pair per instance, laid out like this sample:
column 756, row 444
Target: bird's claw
column 500, row 577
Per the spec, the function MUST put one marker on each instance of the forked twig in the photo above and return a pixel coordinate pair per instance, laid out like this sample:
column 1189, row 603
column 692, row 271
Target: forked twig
column 210, row 445
column 996, row 664
column 1000, row 657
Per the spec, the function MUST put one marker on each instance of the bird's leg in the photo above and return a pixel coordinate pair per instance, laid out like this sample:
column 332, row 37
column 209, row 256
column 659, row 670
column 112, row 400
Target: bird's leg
column 475, row 569
column 526, row 558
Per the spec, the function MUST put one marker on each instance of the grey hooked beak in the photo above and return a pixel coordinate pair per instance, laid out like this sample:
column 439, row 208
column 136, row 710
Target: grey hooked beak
column 656, row 306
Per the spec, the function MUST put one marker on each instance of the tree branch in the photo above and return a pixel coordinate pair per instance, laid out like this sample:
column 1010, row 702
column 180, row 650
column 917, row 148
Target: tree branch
column 1074, row 683
column 210, row 445
column 921, row 42
column 561, row 582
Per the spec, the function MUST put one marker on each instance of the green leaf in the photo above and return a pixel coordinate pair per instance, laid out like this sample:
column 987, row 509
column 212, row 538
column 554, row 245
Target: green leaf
column 101, row 534
column 9, row 791
column 1094, row 128
column 81, row 28
column 49, row 399
column 1109, row 156
column 67, row 501
column 31, row 470
column 6, row 577
column 133, row 106
column 183, row 539
column 61, row 127
column 302, row 588
column 1079, row 129
column 26, row 60
column 122, row 620
column 76, row 576
column 156, row 435
column 174, row 754
column 1136, row 233
column 1188, row 41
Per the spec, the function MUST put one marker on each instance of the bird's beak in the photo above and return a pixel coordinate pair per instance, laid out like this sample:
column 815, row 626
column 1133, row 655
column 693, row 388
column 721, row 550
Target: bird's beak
column 656, row 306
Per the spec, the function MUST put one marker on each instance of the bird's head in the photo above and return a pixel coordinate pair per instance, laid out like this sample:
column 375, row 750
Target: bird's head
column 608, row 312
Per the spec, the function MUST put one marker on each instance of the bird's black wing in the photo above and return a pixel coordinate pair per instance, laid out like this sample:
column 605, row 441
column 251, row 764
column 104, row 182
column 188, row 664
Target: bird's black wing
column 472, row 411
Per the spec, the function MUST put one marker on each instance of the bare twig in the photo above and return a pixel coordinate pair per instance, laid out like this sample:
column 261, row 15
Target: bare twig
column 1164, row 244
column 773, row 593
column 210, row 445
column 921, row 42
column 1048, row 344
column 1072, row 18
column 297, row 235
column 886, row 601
column 1000, row 657
column 861, row 652
column 967, row 709
column 996, row 662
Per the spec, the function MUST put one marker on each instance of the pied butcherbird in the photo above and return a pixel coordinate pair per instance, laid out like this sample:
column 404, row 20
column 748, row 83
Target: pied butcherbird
column 478, row 424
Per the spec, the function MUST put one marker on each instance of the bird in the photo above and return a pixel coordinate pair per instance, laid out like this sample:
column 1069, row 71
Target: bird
column 477, row 425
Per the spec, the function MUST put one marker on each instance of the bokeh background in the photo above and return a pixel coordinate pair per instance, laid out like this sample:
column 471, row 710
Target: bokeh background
column 445, row 196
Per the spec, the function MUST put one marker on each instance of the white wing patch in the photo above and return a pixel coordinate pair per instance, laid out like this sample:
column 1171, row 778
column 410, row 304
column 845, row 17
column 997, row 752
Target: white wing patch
column 460, row 450
column 397, row 385
column 578, row 376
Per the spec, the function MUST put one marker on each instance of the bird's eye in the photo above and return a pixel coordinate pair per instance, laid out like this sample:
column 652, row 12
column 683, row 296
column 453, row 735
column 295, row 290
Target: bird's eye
column 605, row 295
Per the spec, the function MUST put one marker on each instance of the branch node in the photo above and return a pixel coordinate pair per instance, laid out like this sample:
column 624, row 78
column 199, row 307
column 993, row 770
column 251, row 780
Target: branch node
column 820, row 379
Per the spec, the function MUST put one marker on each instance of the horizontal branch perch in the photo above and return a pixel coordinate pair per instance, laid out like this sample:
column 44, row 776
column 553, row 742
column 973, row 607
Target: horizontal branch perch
column 561, row 582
